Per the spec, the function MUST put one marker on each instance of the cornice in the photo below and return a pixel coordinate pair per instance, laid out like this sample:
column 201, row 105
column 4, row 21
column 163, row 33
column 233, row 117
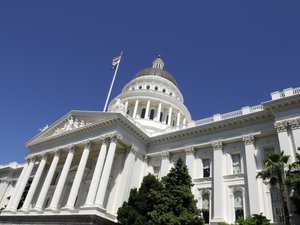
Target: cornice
column 282, row 103
column 218, row 126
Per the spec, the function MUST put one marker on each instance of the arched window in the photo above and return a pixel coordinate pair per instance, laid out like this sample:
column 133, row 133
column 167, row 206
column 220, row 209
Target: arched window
column 278, row 213
column 205, row 207
column 152, row 114
column 140, row 87
column 161, row 117
column 148, row 86
column 143, row 113
column 156, row 88
column 164, row 90
column 238, row 204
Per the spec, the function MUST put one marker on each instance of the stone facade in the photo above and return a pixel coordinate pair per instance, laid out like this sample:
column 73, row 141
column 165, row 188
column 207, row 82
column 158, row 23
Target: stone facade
column 81, row 168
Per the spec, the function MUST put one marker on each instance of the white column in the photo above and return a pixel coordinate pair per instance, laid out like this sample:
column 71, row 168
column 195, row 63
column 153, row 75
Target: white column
column 170, row 116
column 4, row 183
column 135, row 108
column 184, row 121
column 189, row 159
column 295, row 126
column 106, row 172
column 22, row 185
column 34, row 184
column 178, row 118
column 128, row 169
column 78, row 176
column 126, row 106
column 218, row 192
column 15, row 190
column 158, row 112
column 251, row 170
column 97, row 174
column 41, row 199
column 147, row 110
column 62, row 179
column 284, row 139
column 165, row 163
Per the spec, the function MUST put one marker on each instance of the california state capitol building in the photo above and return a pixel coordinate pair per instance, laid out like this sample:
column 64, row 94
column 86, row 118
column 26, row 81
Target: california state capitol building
column 80, row 169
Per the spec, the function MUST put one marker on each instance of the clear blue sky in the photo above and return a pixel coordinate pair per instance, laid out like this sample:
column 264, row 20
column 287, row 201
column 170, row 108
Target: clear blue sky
column 55, row 56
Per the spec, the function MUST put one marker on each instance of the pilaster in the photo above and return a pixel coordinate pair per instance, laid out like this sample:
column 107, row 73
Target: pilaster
column 165, row 163
column 284, row 141
column 295, row 127
column 189, row 159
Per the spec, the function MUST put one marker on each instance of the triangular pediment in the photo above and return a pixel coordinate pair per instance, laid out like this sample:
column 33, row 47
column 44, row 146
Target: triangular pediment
column 72, row 122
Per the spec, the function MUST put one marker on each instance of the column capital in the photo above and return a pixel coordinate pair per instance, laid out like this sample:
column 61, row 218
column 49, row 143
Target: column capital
column 165, row 155
column 294, row 123
column 43, row 156
column 189, row 150
column 133, row 149
column 115, row 137
column 248, row 139
column 57, row 152
column 30, row 158
column 87, row 144
column 281, row 126
column 71, row 148
column 146, row 158
column 217, row 145
column 5, row 180
column 106, row 139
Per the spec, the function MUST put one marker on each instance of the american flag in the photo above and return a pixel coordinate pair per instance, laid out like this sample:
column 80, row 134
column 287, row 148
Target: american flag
column 116, row 61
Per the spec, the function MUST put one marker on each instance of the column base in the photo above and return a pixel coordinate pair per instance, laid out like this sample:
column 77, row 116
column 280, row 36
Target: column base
column 52, row 209
column 100, row 207
column 24, row 210
column 38, row 210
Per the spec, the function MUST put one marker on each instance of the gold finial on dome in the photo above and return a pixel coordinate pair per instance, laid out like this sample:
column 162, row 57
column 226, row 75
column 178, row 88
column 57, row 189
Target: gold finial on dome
column 158, row 63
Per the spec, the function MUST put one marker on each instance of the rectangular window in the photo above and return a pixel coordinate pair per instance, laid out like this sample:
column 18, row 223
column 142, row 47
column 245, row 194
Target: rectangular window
column 267, row 152
column 156, row 170
column 206, row 167
column 236, row 163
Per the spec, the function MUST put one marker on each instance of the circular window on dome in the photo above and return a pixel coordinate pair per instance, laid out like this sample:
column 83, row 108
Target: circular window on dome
column 140, row 87
column 156, row 88
column 164, row 90
column 148, row 86
column 171, row 93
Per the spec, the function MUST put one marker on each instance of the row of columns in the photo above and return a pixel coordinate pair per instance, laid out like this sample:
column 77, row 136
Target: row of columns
column 97, row 189
column 159, row 110
column 217, row 178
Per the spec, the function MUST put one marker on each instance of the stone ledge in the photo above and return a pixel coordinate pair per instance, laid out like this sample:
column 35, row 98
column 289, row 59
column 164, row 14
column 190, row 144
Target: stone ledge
column 55, row 219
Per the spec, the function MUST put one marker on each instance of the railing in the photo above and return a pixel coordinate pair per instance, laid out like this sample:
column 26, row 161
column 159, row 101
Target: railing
column 231, row 114
column 285, row 93
column 256, row 108
column 296, row 91
column 204, row 121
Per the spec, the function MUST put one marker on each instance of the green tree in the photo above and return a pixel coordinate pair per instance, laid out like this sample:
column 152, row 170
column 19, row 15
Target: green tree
column 176, row 203
column 273, row 169
column 254, row 219
column 169, row 202
column 140, row 202
column 293, row 180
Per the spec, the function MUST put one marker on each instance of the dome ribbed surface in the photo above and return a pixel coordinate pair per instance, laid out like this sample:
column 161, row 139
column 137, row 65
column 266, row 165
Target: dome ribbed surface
column 156, row 72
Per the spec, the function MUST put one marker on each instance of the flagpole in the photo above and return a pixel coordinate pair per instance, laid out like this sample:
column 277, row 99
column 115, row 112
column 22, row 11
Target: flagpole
column 112, row 83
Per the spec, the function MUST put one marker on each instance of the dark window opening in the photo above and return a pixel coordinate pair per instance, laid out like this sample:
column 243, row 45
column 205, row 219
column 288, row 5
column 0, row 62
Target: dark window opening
column 205, row 216
column 161, row 117
column 152, row 114
column 143, row 113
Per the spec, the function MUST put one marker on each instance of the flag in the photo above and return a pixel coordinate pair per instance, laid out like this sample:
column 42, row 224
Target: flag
column 116, row 61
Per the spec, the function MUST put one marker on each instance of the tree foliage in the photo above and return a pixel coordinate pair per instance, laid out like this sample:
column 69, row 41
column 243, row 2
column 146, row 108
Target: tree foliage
column 166, row 202
column 254, row 219
column 293, row 180
column 273, row 169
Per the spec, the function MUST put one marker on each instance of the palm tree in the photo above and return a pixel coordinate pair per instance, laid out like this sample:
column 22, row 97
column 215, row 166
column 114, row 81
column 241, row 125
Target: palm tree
column 273, row 169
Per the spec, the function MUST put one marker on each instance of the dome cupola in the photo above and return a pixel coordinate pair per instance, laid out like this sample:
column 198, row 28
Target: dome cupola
column 152, row 99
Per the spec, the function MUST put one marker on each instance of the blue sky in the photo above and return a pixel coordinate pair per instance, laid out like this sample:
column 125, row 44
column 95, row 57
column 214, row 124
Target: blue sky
column 55, row 56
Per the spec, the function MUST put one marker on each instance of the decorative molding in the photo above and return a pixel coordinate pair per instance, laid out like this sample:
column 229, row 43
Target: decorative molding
column 217, row 145
column 5, row 180
column 189, row 150
column 118, row 106
column 70, row 124
column 106, row 139
column 43, row 155
column 30, row 158
column 281, row 126
column 248, row 139
column 294, row 123
column 115, row 136
column 57, row 152
column 146, row 158
column 165, row 155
